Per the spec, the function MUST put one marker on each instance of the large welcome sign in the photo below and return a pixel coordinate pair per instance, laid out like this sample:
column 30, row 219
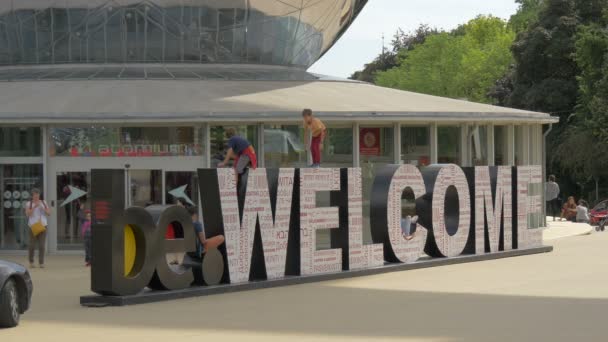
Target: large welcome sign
column 271, row 219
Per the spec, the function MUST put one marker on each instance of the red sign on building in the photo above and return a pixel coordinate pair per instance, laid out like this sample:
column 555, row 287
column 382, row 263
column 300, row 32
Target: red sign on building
column 369, row 141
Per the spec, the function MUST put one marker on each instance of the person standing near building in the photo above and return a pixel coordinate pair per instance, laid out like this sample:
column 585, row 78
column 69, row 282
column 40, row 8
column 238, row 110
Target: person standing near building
column 37, row 212
column 241, row 151
column 314, row 135
column 552, row 197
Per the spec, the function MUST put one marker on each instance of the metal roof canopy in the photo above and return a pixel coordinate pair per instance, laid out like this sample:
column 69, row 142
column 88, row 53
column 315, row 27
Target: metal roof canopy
column 162, row 101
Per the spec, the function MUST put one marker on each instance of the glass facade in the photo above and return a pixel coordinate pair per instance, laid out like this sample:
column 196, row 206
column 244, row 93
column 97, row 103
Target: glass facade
column 416, row 145
column 479, row 143
column 338, row 147
column 104, row 141
column 521, row 148
column 163, row 181
column 284, row 146
column 501, row 145
column 448, row 144
column 16, row 182
column 71, row 209
column 165, row 31
column 20, row 142
column 376, row 149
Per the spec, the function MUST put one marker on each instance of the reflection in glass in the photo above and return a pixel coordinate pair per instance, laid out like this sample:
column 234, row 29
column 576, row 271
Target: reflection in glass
column 338, row 147
column 283, row 146
column 448, row 145
column 71, row 209
column 104, row 141
column 376, row 150
column 415, row 145
column 145, row 188
column 163, row 31
column 520, row 149
column 479, row 143
column 20, row 142
column 500, row 145
column 16, row 181
column 175, row 182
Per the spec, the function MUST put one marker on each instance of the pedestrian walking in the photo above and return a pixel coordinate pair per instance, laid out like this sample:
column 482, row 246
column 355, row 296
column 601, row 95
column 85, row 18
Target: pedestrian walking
column 552, row 197
column 37, row 212
column 314, row 135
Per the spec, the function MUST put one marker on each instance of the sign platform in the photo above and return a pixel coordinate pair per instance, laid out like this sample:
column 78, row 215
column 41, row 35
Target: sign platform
column 148, row 296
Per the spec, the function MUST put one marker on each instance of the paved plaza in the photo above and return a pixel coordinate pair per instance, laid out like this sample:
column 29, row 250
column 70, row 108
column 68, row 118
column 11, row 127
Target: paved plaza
column 560, row 296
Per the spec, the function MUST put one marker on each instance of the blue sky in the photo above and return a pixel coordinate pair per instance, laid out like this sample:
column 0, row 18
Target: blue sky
column 363, row 41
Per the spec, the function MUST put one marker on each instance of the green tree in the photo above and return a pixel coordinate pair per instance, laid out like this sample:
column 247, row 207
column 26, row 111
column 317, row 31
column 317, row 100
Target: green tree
column 461, row 64
column 402, row 42
column 526, row 15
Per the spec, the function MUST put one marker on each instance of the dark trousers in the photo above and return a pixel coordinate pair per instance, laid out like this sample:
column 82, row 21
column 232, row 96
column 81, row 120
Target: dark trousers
column 39, row 240
column 87, row 246
column 554, row 208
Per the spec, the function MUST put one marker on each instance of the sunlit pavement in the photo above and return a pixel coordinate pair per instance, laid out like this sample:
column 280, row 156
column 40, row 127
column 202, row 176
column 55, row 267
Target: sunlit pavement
column 560, row 296
column 560, row 229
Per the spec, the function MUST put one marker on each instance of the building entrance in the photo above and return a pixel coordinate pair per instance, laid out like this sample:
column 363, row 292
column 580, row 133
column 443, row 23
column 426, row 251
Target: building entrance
column 148, row 181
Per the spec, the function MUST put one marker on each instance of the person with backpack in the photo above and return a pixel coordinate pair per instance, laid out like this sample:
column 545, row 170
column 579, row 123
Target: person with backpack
column 37, row 212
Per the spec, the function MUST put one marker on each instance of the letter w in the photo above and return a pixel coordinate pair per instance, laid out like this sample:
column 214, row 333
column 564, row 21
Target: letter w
column 257, row 208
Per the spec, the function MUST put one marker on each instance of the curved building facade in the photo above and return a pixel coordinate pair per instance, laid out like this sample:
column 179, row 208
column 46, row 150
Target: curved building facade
column 272, row 32
column 150, row 86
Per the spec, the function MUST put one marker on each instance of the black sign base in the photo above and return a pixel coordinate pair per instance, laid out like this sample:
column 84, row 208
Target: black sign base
column 151, row 296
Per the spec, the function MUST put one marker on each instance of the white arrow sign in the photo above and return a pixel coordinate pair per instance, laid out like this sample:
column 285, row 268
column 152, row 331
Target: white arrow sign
column 181, row 193
column 75, row 194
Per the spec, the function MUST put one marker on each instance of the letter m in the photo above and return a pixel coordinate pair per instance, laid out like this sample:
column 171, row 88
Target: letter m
column 493, row 208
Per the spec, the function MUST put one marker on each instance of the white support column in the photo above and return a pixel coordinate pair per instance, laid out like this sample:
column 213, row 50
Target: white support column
column 434, row 144
column 491, row 150
column 511, row 145
column 397, row 141
column 356, row 155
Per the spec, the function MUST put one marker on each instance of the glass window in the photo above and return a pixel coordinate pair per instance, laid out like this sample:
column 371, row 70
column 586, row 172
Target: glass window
column 218, row 140
column 20, row 142
column 415, row 145
column 16, row 182
column 256, row 31
column 338, row 147
column 448, row 145
column 72, row 189
column 376, row 150
column 520, row 149
column 106, row 141
column 181, row 185
column 479, row 143
column 284, row 146
column 501, row 143
column 145, row 187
